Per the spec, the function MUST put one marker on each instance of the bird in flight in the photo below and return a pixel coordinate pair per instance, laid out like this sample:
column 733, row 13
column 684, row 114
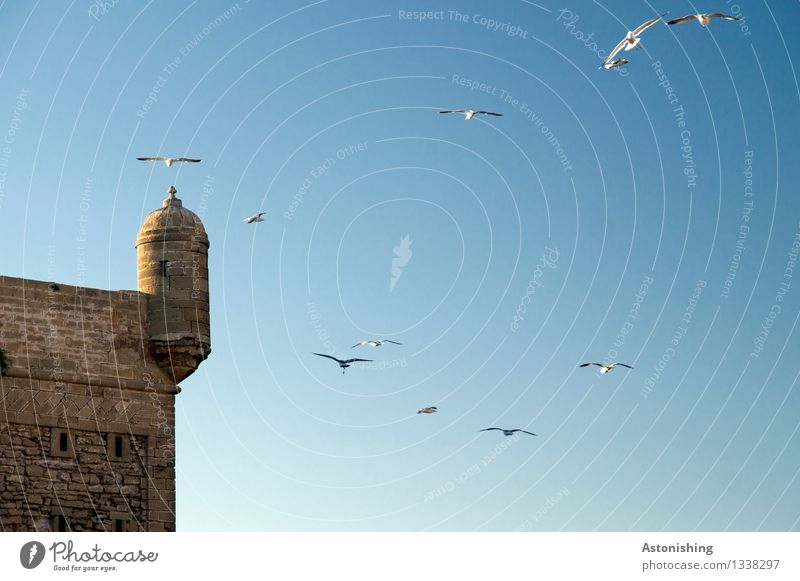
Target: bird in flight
column 469, row 113
column 343, row 363
column 374, row 342
column 606, row 368
column 428, row 410
column 507, row 432
column 614, row 64
column 632, row 39
column 169, row 160
column 703, row 19
column 255, row 218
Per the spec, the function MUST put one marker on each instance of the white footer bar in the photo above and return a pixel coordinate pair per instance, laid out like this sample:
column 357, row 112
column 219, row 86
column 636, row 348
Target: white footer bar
column 389, row 556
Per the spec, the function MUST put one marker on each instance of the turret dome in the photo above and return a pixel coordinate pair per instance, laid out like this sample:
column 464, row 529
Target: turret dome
column 172, row 222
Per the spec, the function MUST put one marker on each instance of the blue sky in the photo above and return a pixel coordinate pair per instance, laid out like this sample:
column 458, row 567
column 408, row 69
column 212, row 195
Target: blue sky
column 646, row 215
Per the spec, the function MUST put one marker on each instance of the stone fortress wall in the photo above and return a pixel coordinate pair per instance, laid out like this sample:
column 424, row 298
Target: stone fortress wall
column 87, row 405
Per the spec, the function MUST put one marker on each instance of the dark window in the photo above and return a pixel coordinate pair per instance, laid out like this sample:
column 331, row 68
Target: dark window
column 60, row 524
column 119, row 525
column 118, row 447
column 61, row 443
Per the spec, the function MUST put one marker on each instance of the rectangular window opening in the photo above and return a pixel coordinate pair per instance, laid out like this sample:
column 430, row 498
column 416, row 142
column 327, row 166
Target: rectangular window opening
column 118, row 446
column 61, row 443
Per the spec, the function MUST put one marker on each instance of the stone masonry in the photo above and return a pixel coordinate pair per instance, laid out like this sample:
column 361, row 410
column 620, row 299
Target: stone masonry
column 87, row 405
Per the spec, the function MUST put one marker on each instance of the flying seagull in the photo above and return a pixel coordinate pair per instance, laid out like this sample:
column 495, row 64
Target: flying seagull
column 507, row 432
column 703, row 19
column 169, row 160
column 606, row 368
column 428, row 410
column 469, row 113
column 374, row 342
column 632, row 39
column 343, row 363
column 614, row 64
column 255, row 218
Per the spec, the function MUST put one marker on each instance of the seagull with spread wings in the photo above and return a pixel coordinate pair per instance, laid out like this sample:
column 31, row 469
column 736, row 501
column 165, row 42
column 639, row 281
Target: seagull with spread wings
column 428, row 410
column 469, row 113
column 632, row 39
column 374, row 342
column 170, row 160
column 343, row 363
column 508, row 432
column 606, row 368
column 255, row 218
column 703, row 19
column 614, row 64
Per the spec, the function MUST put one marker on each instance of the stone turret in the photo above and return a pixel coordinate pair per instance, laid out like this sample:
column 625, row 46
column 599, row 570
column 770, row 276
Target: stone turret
column 172, row 248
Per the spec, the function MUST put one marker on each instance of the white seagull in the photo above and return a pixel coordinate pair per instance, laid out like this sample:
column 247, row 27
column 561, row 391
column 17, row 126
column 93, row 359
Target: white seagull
column 374, row 342
column 169, row 160
column 606, row 368
column 507, row 432
column 632, row 39
column 614, row 64
column 428, row 410
column 255, row 218
column 343, row 363
column 469, row 113
column 703, row 19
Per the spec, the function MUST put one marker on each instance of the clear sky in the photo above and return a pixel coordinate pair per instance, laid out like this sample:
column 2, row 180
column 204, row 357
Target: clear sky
column 647, row 215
